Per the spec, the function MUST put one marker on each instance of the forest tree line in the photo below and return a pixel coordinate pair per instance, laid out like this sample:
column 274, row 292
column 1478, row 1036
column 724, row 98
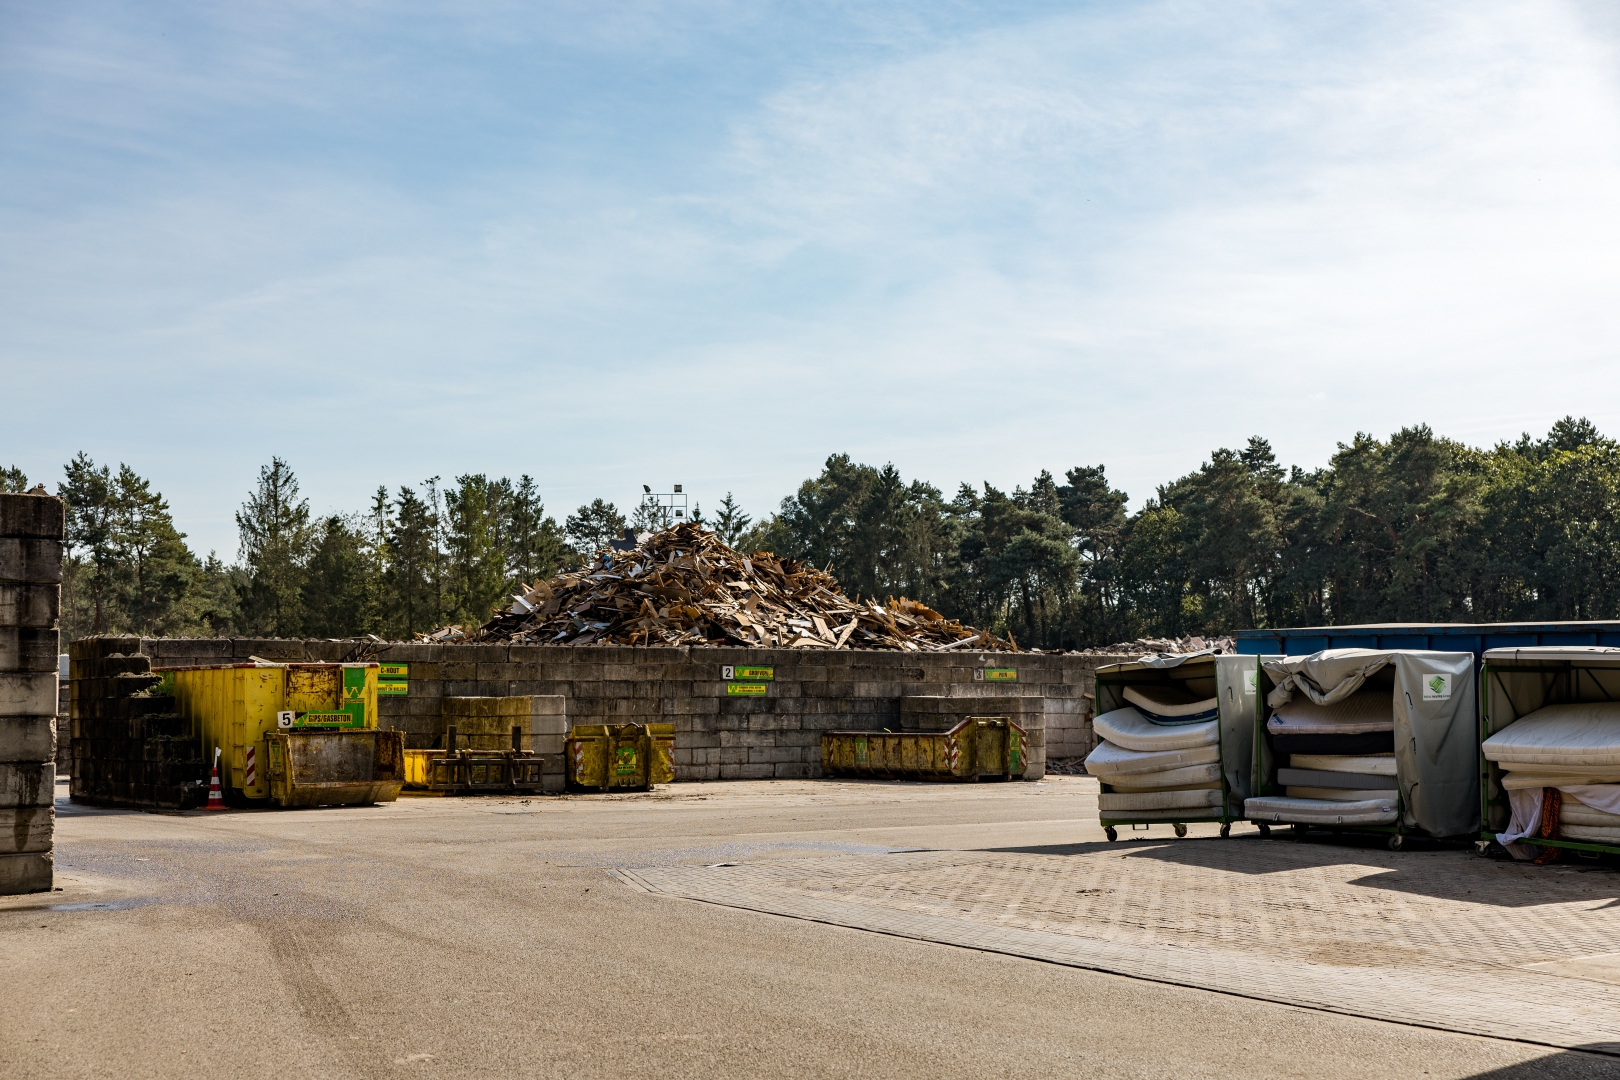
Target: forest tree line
column 1413, row 528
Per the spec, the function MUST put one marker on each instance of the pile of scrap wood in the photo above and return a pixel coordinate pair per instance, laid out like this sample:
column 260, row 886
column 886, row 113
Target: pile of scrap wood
column 1164, row 646
column 683, row 586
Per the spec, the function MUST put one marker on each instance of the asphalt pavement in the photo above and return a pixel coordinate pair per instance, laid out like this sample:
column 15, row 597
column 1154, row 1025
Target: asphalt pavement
column 490, row 937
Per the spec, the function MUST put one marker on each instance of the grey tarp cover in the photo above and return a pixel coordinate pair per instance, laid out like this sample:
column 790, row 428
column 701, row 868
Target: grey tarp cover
column 1235, row 682
column 1436, row 730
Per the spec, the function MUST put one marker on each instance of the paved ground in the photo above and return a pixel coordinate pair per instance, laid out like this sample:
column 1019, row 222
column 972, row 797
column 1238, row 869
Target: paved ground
column 438, row 937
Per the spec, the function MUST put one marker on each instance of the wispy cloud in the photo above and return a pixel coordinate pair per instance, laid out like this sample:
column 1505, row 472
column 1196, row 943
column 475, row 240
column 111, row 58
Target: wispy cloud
column 719, row 243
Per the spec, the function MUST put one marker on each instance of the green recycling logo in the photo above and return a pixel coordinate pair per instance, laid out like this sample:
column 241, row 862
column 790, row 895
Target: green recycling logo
column 1437, row 688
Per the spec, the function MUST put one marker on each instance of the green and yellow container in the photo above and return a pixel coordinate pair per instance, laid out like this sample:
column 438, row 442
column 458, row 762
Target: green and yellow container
column 979, row 748
column 292, row 734
column 608, row 757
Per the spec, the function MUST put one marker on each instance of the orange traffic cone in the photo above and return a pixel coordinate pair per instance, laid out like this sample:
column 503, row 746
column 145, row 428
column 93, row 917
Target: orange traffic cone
column 216, row 796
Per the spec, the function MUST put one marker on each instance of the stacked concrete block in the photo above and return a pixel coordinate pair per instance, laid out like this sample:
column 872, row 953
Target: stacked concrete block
column 64, row 710
column 131, row 747
column 718, row 735
column 30, row 601
column 486, row 723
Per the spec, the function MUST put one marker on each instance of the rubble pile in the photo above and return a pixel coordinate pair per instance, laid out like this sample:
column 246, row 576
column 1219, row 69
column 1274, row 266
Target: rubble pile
column 1151, row 646
column 684, row 586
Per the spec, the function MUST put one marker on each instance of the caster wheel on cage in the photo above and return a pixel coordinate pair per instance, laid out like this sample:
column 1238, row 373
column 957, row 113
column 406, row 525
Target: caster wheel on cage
column 1395, row 842
column 1112, row 835
column 1265, row 831
column 1181, row 830
column 1226, row 829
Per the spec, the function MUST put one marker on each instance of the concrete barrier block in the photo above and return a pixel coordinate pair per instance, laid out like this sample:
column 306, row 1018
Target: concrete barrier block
column 547, row 744
column 486, row 707
column 30, row 560
column 94, row 648
column 548, row 725
column 25, row 784
column 27, row 738
column 220, row 649
column 36, row 517
column 26, row 829
column 28, row 694
column 797, row 771
column 30, row 605
column 25, row 873
column 776, row 755
column 29, row 648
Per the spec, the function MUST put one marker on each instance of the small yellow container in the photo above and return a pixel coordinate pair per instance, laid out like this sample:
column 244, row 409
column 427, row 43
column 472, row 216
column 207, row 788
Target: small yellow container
column 249, row 710
column 611, row 757
column 980, row 747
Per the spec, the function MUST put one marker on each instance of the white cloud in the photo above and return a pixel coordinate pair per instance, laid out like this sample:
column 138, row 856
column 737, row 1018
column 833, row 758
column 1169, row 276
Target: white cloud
column 1124, row 236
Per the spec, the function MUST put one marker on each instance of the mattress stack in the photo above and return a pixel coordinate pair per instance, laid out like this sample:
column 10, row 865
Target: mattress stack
column 1160, row 756
column 1340, row 762
column 1574, row 748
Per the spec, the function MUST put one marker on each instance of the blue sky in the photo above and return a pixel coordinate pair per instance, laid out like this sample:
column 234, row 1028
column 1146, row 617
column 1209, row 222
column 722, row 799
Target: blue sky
column 712, row 243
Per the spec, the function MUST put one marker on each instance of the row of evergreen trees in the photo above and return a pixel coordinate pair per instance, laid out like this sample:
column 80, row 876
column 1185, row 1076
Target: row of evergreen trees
column 1412, row 528
column 1415, row 528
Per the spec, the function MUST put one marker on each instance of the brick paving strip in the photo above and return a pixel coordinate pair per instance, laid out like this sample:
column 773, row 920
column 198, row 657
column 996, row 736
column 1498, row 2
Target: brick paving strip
column 1435, row 939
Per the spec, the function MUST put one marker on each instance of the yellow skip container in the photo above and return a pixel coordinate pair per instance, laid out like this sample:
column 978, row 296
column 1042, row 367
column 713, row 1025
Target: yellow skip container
column 618, row 756
column 980, row 747
column 292, row 734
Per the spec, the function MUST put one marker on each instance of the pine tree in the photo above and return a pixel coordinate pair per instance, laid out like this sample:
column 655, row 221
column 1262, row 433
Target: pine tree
column 730, row 523
column 592, row 526
column 535, row 548
column 413, row 560
column 276, row 542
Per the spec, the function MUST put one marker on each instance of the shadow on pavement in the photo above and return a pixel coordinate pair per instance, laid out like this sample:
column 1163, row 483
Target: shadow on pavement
column 1440, row 872
column 1570, row 1064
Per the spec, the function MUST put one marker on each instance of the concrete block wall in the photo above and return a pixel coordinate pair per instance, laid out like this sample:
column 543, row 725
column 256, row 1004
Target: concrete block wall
column 486, row 723
column 717, row 736
column 130, row 745
column 31, row 530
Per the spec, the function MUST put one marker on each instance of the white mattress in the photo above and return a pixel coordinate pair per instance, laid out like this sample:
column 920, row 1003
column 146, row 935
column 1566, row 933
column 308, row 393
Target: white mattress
column 1110, row 760
column 1272, row 809
column 1590, row 833
column 1160, row 800
column 1184, row 814
column 1191, row 776
column 1334, row 794
column 1574, row 812
column 1517, row 780
column 1366, row 764
column 1171, row 704
column 1579, row 734
column 1131, row 730
column 1574, row 774
column 1362, row 712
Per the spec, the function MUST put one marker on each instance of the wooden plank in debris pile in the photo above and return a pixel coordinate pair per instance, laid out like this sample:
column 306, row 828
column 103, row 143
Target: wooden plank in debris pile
column 684, row 586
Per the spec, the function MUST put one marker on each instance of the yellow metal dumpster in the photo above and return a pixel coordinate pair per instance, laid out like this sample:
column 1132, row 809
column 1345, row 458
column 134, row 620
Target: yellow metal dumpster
column 292, row 734
column 980, row 747
column 617, row 756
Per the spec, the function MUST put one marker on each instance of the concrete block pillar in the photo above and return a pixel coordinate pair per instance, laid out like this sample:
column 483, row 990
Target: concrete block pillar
column 31, row 532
